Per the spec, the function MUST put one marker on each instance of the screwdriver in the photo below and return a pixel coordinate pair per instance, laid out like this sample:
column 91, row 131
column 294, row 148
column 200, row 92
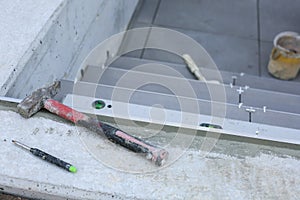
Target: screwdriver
column 47, row 157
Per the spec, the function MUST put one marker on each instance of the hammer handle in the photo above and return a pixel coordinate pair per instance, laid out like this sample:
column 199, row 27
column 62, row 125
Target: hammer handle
column 64, row 111
column 115, row 135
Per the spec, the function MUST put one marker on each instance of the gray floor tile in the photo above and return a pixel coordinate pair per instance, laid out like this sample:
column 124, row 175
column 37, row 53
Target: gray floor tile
column 229, row 53
column 266, row 48
column 277, row 16
column 161, row 55
column 228, row 17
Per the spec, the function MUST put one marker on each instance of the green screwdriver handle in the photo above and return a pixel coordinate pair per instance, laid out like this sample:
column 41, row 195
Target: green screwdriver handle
column 53, row 160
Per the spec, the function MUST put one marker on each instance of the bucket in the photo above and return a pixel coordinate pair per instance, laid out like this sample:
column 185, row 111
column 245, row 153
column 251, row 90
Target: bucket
column 285, row 57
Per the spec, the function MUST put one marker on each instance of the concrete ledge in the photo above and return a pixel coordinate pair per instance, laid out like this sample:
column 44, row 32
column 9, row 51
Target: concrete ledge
column 61, row 43
column 231, row 171
column 23, row 24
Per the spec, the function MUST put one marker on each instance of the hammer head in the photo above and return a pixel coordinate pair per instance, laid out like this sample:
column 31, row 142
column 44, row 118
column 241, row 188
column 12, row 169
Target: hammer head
column 33, row 103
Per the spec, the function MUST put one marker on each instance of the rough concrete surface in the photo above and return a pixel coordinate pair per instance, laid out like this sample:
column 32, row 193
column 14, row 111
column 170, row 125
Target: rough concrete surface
column 57, row 52
column 20, row 21
column 192, row 176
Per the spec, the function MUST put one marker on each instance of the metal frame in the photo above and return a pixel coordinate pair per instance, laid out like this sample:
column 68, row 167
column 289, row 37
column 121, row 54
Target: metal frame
column 263, row 125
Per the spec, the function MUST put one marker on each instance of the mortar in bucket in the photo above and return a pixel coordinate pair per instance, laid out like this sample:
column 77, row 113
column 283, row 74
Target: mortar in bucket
column 285, row 57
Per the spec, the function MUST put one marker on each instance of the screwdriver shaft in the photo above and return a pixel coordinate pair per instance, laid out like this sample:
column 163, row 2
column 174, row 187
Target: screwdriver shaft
column 21, row 145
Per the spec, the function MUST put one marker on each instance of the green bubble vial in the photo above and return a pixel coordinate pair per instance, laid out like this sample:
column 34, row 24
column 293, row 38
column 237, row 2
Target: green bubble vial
column 98, row 104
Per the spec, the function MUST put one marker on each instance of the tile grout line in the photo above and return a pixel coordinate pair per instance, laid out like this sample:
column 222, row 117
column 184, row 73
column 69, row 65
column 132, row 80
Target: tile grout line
column 205, row 32
column 258, row 37
column 130, row 25
column 152, row 22
column 156, row 11
column 135, row 15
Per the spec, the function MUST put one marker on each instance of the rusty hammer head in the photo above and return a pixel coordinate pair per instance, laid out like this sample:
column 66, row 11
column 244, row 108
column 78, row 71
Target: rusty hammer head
column 33, row 103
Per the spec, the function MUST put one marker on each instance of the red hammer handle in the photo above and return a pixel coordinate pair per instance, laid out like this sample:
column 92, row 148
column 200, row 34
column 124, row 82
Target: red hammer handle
column 135, row 144
column 64, row 111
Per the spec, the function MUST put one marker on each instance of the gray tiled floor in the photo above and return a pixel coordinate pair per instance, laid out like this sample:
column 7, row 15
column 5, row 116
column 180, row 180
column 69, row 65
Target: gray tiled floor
column 277, row 16
column 221, row 48
column 237, row 34
column 226, row 17
column 266, row 48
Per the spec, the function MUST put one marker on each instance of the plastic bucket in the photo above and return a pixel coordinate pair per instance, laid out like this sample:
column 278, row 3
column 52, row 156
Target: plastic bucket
column 285, row 57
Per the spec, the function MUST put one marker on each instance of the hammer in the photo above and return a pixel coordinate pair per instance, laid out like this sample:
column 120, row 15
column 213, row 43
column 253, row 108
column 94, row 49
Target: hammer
column 42, row 98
